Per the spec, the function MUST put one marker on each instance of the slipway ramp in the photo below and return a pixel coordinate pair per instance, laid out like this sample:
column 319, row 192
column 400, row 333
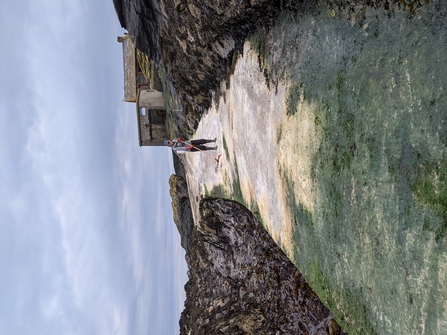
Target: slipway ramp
column 334, row 134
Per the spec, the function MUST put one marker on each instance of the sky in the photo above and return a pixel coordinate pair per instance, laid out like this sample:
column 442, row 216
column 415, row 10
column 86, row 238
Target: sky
column 87, row 240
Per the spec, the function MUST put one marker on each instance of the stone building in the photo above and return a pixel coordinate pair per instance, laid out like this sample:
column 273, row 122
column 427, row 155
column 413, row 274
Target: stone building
column 149, row 102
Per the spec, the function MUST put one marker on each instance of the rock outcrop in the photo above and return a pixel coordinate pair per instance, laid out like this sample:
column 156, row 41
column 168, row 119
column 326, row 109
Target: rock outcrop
column 206, row 35
column 181, row 208
column 196, row 44
column 240, row 282
column 142, row 20
column 195, row 40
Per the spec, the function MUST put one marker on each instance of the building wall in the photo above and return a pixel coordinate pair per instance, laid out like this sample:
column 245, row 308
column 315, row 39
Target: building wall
column 153, row 127
column 152, row 123
column 151, row 99
column 144, row 124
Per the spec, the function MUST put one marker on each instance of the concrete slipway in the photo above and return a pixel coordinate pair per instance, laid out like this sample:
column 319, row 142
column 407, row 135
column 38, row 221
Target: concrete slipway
column 334, row 133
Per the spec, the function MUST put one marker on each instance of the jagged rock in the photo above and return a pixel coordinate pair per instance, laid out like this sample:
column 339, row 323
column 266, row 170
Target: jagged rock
column 195, row 45
column 181, row 208
column 240, row 281
column 142, row 19
column 198, row 43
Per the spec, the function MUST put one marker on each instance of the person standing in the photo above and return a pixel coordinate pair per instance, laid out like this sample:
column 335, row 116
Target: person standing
column 180, row 145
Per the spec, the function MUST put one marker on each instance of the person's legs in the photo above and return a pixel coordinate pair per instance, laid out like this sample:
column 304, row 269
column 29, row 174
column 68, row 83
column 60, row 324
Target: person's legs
column 201, row 141
column 203, row 148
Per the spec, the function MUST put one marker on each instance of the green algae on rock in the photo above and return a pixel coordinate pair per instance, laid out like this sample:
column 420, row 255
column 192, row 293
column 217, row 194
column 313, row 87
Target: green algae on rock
column 373, row 245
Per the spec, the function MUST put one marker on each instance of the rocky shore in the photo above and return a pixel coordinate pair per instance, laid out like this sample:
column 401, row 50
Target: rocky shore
column 197, row 41
column 240, row 281
column 196, row 47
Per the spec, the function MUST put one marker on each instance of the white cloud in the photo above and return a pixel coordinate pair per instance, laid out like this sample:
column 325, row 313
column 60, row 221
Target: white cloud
column 87, row 241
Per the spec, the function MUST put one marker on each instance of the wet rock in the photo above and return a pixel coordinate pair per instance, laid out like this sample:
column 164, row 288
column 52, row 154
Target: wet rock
column 181, row 208
column 142, row 19
column 355, row 8
column 240, row 281
column 197, row 45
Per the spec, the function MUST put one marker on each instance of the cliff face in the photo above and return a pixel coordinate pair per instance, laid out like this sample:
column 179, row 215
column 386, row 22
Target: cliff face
column 181, row 208
column 196, row 44
column 196, row 40
column 240, row 282
column 142, row 20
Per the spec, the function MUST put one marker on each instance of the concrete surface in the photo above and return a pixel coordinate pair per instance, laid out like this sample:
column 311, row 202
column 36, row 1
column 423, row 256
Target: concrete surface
column 335, row 137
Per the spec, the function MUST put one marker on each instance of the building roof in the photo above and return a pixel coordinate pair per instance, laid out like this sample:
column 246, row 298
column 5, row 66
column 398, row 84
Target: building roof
column 137, row 105
column 130, row 69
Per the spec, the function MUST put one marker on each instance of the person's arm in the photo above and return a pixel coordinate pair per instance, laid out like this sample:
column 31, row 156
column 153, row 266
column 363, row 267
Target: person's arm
column 183, row 148
column 178, row 149
column 177, row 144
